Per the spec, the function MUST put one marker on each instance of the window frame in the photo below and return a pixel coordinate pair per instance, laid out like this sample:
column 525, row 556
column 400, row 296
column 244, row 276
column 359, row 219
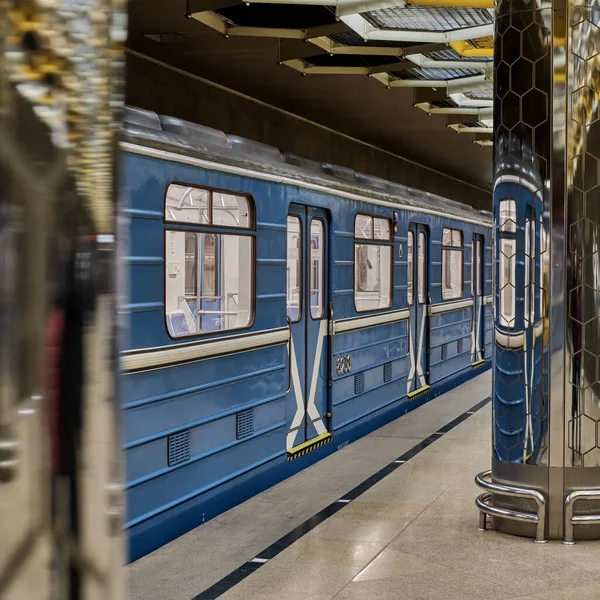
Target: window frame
column 477, row 274
column 410, row 267
column 372, row 241
column 212, row 190
column 324, row 262
column 506, row 236
column 219, row 231
column 460, row 249
column 300, row 267
column 422, row 282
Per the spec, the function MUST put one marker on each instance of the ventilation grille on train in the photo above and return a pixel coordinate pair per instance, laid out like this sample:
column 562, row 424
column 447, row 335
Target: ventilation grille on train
column 179, row 448
column 245, row 423
column 359, row 383
column 387, row 372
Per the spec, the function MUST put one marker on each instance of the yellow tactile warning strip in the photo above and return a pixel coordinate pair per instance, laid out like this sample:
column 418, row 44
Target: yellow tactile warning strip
column 309, row 445
column 419, row 392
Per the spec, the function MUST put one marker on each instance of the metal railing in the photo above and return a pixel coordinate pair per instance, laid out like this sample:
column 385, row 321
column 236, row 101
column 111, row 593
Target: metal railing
column 483, row 503
column 571, row 519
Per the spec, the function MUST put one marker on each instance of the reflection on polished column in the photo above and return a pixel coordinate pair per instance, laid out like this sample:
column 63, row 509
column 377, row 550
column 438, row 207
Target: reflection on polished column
column 547, row 210
column 60, row 470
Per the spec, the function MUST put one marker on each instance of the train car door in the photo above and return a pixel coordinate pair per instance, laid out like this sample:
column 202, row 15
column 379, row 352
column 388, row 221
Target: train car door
column 418, row 303
column 477, row 323
column 307, row 301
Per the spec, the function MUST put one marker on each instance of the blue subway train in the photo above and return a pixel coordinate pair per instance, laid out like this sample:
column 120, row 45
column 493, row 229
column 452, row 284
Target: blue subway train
column 277, row 309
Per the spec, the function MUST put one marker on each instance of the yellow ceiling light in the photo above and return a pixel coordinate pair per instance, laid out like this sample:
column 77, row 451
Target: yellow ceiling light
column 453, row 3
column 467, row 49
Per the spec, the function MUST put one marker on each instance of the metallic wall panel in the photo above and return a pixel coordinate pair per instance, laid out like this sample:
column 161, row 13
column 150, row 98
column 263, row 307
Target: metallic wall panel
column 547, row 126
column 60, row 469
column 522, row 153
column 582, row 388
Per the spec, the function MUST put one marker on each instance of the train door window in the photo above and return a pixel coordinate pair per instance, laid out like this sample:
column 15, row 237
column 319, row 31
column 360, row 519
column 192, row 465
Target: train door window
column 529, row 273
column 508, row 261
column 541, row 267
column 422, row 284
column 452, row 264
column 409, row 269
column 476, row 272
column 372, row 263
column 294, row 268
column 508, row 216
column 507, row 277
column 209, row 277
column 317, row 256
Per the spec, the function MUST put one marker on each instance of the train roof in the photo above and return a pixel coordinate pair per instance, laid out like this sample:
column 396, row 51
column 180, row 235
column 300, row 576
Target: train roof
column 148, row 129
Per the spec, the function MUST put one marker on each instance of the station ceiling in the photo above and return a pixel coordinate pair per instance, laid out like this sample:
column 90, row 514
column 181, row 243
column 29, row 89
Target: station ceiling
column 411, row 79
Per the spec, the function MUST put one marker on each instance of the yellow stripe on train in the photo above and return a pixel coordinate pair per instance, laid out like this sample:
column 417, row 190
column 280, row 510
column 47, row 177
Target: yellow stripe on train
column 309, row 445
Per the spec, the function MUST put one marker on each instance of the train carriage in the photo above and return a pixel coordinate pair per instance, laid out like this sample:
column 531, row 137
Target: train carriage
column 277, row 309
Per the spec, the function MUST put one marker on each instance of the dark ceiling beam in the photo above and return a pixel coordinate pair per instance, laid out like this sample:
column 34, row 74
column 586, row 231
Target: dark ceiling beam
column 394, row 67
column 197, row 6
column 423, row 49
column 292, row 49
column 422, row 95
column 331, row 29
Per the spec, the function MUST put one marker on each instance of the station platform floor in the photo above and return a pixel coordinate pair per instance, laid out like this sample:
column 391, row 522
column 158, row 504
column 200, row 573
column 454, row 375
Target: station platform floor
column 389, row 517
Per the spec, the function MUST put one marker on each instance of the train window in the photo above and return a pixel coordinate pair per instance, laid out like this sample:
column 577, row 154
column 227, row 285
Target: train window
column 409, row 269
column 317, row 258
column 209, row 277
column 476, row 274
column 381, row 229
column 191, row 263
column 214, row 292
column 372, row 228
column 508, row 216
column 230, row 211
column 372, row 263
column 508, row 259
column 188, row 204
column 452, row 264
column 541, row 267
column 422, row 284
column 209, row 283
column 363, row 227
column 294, row 268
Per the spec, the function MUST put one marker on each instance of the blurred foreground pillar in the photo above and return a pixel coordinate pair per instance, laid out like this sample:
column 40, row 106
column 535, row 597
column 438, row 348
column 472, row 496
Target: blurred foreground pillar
column 61, row 507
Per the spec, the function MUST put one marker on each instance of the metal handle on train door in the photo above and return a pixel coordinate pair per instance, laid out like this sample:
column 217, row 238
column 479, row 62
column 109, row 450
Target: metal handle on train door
column 428, row 304
column 289, row 365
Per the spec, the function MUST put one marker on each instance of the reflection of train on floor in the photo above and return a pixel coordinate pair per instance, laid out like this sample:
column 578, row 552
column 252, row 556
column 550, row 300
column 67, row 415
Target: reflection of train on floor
column 276, row 305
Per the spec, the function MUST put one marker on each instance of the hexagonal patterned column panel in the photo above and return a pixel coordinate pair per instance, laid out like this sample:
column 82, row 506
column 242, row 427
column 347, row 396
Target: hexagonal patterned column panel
column 547, row 209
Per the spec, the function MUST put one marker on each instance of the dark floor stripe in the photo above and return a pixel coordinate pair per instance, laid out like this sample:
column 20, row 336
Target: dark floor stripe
column 225, row 584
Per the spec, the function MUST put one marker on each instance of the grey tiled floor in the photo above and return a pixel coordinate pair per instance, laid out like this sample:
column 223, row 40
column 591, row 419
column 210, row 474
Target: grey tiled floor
column 380, row 544
column 414, row 536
